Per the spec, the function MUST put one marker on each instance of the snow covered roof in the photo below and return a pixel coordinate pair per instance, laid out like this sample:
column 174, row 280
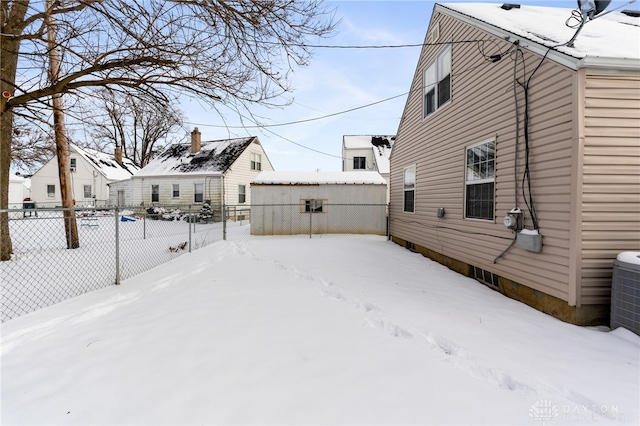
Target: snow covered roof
column 214, row 157
column 381, row 146
column 106, row 163
column 315, row 178
column 610, row 40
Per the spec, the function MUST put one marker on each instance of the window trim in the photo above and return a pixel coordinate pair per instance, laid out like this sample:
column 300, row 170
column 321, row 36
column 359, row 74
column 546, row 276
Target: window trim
column 157, row 193
column 73, row 164
column 256, row 161
column 196, row 193
column 242, row 194
column 51, row 194
column 362, row 160
column 84, row 191
column 175, row 190
column 480, row 181
column 405, row 190
column 435, row 64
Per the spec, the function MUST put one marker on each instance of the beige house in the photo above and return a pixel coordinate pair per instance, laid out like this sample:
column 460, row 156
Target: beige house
column 533, row 194
column 195, row 173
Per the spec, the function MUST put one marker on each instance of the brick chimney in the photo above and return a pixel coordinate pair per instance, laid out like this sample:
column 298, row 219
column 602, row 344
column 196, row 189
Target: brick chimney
column 118, row 154
column 196, row 142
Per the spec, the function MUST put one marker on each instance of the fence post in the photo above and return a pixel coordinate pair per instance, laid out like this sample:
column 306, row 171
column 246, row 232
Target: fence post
column 224, row 222
column 190, row 220
column 117, row 246
column 310, row 221
column 144, row 225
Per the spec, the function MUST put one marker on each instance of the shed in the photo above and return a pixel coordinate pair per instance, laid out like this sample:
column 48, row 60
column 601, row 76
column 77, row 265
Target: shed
column 288, row 203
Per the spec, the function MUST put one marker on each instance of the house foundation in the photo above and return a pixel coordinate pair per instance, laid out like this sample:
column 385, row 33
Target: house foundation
column 551, row 305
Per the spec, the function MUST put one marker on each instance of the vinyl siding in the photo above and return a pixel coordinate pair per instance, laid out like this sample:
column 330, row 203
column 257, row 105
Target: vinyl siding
column 482, row 107
column 611, row 180
column 241, row 174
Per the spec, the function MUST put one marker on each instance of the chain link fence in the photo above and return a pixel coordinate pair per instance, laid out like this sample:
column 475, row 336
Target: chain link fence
column 119, row 243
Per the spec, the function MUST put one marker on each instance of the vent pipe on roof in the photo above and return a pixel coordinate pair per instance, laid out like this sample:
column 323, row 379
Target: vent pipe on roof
column 196, row 142
column 632, row 13
column 509, row 6
column 118, row 154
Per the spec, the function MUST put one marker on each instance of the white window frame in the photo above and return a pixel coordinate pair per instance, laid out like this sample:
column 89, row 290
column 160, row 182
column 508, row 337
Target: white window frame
column 84, row 190
column 155, row 190
column 480, row 172
column 175, row 190
column 433, row 79
column 73, row 164
column 242, row 194
column 52, row 193
column 256, row 161
column 362, row 160
column 198, row 190
column 409, row 186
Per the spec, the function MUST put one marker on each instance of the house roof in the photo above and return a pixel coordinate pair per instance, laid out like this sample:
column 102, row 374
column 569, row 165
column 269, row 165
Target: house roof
column 306, row 178
column 381, row 146
column 106, row 164
column 214, row 157
column 610, row 40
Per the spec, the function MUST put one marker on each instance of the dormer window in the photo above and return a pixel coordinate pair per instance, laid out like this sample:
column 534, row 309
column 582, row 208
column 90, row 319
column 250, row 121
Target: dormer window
column 437, row 82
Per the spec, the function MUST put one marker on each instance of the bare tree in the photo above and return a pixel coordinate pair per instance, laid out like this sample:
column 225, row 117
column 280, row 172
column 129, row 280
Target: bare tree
column 135, row 123
column 31, row 147
column 229, row 51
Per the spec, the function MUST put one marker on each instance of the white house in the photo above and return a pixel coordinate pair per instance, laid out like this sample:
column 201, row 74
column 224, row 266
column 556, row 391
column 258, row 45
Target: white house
column 91, row 172
column 183, row 174
column 19, row 189
column 367, row 152
column 287, row 203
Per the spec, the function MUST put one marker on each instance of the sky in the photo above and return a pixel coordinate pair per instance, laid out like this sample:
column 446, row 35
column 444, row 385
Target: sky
column 283, row 330
column 340, row 79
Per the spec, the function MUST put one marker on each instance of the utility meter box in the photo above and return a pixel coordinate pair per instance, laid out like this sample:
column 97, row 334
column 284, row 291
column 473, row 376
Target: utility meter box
column 529, row 240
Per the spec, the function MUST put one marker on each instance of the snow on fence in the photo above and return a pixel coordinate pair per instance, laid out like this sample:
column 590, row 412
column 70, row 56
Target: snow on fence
column 118, row 243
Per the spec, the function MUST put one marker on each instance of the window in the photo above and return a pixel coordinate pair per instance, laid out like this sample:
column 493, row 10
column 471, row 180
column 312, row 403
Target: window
column 437, row 82
column 51, row 191
column 73, row 164
column 198, row 192
column 86, row 189
column 479, row 181
column 256, row 161
column 176, row 191
column 359, row 163
column 313, row 206
column 155, row 193
column 242, row 194
column 410, row 189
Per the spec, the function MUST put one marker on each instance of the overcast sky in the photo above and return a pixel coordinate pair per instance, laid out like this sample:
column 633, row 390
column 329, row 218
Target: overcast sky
column 341, row 79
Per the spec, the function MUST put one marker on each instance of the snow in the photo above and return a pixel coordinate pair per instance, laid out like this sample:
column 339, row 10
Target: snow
column 107, row 164
column 328, row 330
column 214, row 157
column 529, row 232
column 612, row 35
column 631, row 257
column 315, row 178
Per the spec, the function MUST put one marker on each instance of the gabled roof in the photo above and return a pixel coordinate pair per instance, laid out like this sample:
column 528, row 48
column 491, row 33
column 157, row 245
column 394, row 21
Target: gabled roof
column 106, row 164
column 610, row 40
column 316, row 178
column 381, row 146
column 214, row 157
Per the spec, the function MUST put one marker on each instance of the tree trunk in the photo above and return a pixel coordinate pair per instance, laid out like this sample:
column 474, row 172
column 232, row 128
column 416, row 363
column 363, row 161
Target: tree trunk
column 62, row 144
column 6, row 247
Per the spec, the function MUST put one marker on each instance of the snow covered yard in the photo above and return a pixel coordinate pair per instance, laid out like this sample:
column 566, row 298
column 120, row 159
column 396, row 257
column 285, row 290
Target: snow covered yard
column 292, row 330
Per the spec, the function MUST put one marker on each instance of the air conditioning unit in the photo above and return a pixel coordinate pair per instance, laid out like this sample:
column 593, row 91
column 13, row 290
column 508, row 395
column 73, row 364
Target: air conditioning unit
column 625, row 292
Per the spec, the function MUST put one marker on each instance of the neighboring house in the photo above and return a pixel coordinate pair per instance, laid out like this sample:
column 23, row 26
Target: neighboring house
column 288, row 203
column 196, row 173
column 470, row 140
column 19, row 189
column 367, row 152
column 91, row 173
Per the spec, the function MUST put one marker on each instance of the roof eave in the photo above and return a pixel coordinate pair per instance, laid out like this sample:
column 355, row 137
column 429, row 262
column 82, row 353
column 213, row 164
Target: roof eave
column 624, row 64
column 541, row 49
